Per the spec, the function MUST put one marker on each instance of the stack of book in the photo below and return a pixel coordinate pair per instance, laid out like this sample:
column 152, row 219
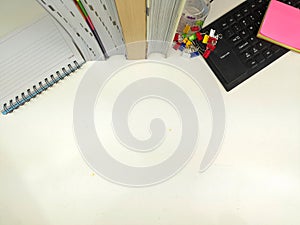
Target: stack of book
column 36, row 57
column 132, row 27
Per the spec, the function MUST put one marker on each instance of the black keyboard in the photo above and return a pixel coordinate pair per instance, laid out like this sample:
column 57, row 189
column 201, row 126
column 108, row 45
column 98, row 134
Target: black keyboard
column 240, row 54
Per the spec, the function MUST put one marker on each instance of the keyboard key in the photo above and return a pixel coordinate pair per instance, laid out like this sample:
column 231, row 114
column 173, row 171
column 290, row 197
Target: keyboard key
column 253, row 40
column 243, row 45
column 267, row 53
column 262, row 45
column 244, row 34
column 275, row 48
column 228, row 33
column 246, row 56
column 251, row 28
column 252, row 18
column 253, row 5
column 258, row 23
column 287, row 2
column 236, row 27
column 231, row 20
column 294, row 3
column 238, row 16
column 245, row 22
column 252, row 63
column 224, row 25
column 259, row 58
column 254, row 50
column 245, row 11
column 236, row 39
column 259, row 13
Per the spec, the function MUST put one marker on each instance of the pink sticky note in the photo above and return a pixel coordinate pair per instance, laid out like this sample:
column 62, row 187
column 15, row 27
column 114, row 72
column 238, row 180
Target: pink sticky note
column 281, row 25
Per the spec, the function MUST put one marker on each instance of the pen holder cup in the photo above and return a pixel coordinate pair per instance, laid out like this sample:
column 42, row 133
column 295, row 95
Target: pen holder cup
column 193, row 14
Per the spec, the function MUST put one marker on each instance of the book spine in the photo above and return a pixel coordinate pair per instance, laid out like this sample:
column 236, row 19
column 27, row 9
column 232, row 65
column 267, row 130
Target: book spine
column 132, row 16
column 30, row 93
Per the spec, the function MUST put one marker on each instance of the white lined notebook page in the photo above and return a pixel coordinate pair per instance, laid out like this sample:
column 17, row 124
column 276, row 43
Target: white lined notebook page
column 32, row 54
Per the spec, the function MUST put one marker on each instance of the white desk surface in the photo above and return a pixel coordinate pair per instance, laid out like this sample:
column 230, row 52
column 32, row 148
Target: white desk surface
column 255, row 179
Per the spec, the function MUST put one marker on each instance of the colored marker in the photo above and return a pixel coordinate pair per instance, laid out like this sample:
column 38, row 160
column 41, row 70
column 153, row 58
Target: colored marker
column 91, row 25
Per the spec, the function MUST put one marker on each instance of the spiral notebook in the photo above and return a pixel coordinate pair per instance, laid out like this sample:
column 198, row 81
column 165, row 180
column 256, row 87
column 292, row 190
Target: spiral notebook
column 33, row 59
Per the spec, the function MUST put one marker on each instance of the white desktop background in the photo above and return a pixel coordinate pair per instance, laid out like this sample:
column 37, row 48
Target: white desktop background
column 255, row 179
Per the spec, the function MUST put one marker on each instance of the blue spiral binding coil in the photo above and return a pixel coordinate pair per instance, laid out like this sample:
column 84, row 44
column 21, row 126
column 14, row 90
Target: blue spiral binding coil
column 37, row 89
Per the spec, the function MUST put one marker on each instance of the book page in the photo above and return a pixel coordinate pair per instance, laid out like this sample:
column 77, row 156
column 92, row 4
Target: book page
column 32, row 54
column 106, row 22
column 70, row 18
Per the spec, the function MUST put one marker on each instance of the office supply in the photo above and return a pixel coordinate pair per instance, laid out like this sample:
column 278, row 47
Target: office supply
column 192, row 42
column 34, row 59
column 281, row 24
column 91, row 25
column 132, row 15
column 163, row 19
column 240, row 54
column 194, row 13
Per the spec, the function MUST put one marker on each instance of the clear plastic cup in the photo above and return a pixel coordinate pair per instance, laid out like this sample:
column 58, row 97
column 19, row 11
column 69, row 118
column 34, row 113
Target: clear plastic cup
column 194, row 13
